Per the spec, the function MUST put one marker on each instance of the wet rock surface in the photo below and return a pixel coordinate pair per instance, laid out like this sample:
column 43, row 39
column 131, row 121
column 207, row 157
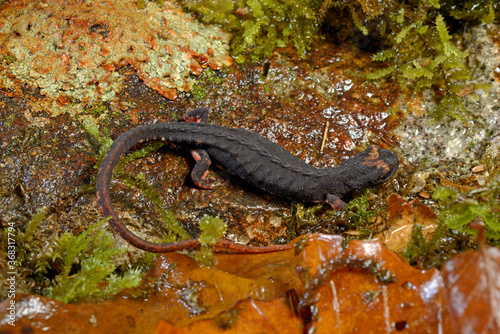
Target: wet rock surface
column 47, row 158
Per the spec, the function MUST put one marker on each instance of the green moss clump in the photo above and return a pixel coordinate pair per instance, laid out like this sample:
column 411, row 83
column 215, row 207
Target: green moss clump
column 458, row 210
column 453, row 233
column 262, row 25
column 90, row 125
column 422, row 56
column 72, row 268
column 478, row 10
column 358, row 212
column 92, row 253
column 419, row 52
column 357, row 217
column 433, row 253
column 212, row 229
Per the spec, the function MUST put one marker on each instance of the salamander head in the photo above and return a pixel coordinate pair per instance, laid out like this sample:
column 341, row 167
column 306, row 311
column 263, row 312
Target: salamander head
column 370, row 168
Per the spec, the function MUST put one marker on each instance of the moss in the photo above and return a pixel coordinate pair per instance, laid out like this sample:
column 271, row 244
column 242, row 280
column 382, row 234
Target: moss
column 198, row 93
column 214, row 76
column 212, row 230
column 301, row 215
column 358, row 212
column 419, row 252
column 458, row 210
column 422, row 56
column 477, row 11
column 262, row 25
column 419, row 53
column 434, row 253
column 71, row 268
column 416, row 43
column 453, row 234
column 357, row 217
column 90, row 125
column 97, row 110
column 92, row 253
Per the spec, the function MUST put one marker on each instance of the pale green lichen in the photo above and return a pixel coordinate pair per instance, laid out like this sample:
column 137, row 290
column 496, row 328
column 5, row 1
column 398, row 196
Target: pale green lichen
column 72, row 56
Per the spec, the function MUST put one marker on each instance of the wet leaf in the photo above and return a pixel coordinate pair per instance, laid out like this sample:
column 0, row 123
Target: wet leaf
column 473, row 291
column 351, row 296
column 318, row 286
column 248, row 316
column 403, row 216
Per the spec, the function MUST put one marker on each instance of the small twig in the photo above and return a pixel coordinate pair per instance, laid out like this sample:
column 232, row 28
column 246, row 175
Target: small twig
column 325, row 136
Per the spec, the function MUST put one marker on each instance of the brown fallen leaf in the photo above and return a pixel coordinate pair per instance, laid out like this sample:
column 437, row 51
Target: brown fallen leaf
column 403, row 216
column 248, row 316
column 364, row 288
column 351, row 297
column 472, row 282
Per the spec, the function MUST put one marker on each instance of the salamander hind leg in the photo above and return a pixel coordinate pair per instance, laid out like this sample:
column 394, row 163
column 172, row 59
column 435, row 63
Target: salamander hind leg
column 200, row 170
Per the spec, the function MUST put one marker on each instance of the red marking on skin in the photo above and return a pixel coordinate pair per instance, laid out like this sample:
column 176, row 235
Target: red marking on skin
column 205, row 185
column 196, row 157
column 374, row 161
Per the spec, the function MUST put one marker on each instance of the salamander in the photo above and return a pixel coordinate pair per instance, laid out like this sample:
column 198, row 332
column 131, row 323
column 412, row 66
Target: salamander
column 253, row 158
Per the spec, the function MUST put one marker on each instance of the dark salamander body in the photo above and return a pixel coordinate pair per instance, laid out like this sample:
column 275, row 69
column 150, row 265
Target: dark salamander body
column 253, row 158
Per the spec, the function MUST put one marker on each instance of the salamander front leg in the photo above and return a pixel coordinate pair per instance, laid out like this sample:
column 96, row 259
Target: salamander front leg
column 335, row 202
column 200, row 170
